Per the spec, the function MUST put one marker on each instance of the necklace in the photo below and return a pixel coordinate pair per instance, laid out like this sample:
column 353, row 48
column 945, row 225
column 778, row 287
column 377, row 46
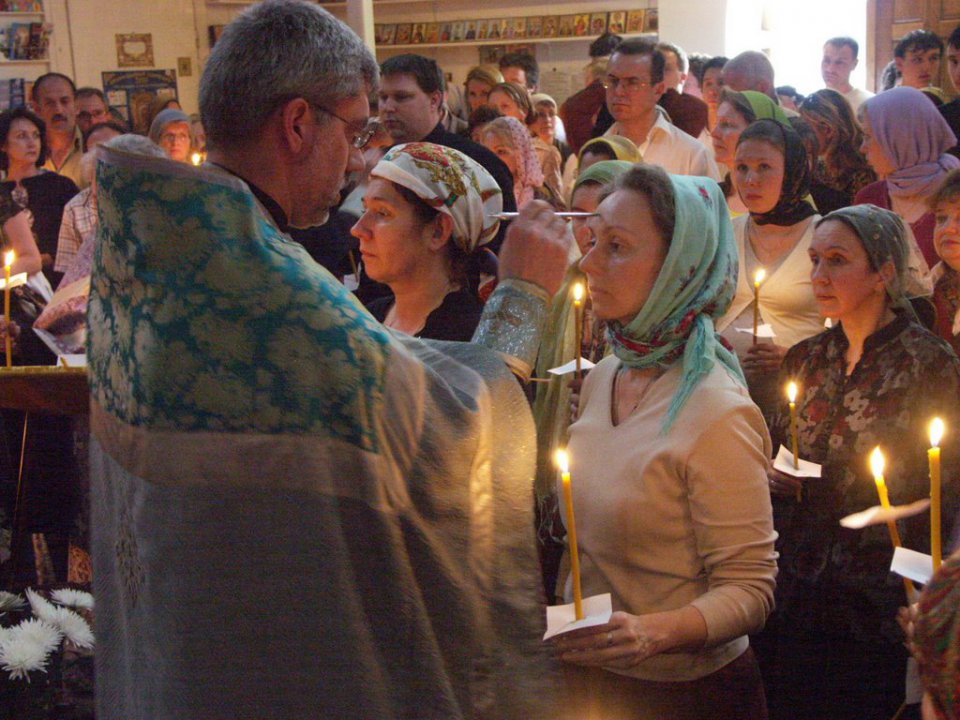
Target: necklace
column 20, row 195
column 621, row 389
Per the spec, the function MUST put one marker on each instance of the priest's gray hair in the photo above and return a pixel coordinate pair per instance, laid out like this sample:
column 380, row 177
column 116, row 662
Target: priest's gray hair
column 271, row 53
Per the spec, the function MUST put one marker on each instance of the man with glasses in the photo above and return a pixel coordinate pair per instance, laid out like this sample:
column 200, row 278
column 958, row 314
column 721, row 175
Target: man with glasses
column 298, row 513
column 634, row 84
column 91, row 108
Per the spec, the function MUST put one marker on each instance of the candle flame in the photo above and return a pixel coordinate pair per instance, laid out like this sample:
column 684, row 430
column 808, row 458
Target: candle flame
column 877, row 463
column 8, row 258
column 792, row 392
column 562, row 460
column 936, row 432
column 758, row 278
column 196, row 158
column 578, row 292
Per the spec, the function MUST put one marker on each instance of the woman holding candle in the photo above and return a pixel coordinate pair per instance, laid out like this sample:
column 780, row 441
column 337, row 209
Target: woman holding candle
column 668, row 459
column 428, row 210
column 44, row 194
column 551, row 407
column 772, row 177
column 876, row 378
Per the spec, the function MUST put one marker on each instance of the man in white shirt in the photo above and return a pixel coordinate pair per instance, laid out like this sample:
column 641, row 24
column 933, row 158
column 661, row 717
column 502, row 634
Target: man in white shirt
column 634, row 85
column 839, row 60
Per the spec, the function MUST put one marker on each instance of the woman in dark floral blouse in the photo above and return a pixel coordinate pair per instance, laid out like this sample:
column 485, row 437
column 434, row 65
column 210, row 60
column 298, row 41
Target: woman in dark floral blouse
column 833, row 648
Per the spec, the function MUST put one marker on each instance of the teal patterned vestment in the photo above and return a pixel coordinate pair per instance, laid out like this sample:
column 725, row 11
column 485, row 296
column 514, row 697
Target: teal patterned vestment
column 296, row 513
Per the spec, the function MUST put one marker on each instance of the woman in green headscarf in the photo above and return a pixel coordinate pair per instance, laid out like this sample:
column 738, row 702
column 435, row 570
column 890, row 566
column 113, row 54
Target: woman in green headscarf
column 551, row 407
column 734, row 113
column 668, row 459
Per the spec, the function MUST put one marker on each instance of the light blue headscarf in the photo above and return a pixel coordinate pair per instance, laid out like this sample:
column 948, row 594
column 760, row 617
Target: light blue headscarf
column 695, row 286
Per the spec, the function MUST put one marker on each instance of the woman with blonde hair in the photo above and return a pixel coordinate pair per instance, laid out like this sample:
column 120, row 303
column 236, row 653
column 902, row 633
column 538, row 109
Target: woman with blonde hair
column 481, row 79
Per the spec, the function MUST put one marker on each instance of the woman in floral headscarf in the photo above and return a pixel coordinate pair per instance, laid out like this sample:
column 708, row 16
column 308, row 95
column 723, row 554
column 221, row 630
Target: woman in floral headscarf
column 510, row 140
column 832, row 648
column 428, row 211
column 668, row 455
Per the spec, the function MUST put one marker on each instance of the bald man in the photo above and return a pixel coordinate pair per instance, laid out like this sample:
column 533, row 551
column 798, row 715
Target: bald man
column 752, row 70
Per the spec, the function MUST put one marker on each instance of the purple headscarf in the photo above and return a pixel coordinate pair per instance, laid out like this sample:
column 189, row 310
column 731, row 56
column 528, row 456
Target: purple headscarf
column 915, row 137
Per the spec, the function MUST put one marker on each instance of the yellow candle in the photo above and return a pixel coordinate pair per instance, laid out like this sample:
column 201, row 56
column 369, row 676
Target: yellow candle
column 876, row 465
column 933, row 456
column 7, row 264
column 578, row 320
column 757, row 281
column 794, row 432
column 564, row 464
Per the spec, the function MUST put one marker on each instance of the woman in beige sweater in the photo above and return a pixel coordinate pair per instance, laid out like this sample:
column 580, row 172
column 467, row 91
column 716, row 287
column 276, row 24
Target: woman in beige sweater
column 669, row 467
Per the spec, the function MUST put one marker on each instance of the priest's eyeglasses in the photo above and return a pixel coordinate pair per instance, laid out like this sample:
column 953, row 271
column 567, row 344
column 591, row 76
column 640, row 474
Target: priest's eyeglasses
column 359, row 136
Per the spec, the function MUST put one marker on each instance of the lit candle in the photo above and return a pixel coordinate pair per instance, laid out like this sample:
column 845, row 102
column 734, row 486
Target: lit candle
column 7, row 264
column 876, row 465
column 196, row 159
column 933, row 456
column 794, row 431
column 757, row 281
column 578, row 320
column 563, row 463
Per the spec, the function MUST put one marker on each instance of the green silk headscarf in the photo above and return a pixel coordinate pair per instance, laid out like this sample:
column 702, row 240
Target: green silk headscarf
column 696, row 285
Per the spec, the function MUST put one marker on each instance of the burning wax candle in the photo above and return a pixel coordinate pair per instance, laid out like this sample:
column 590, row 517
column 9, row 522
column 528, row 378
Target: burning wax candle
column 933, row 457
column 578, row 320
column 877, row 463
column 563, row 462
column 794, row 431
column 757, row 281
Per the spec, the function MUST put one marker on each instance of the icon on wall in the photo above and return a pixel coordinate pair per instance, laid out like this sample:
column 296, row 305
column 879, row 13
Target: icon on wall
column 134, row 50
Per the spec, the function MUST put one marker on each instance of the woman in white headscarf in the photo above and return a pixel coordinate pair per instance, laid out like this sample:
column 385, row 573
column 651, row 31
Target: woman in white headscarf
column 428, row 212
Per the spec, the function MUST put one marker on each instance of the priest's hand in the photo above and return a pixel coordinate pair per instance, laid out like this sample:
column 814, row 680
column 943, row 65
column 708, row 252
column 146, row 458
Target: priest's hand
column 537, row 247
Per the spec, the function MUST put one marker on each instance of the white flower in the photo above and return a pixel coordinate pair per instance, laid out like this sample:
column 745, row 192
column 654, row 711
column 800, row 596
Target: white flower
column 26, row 647
column 41, row 607
column 9, row 601
column 74, row 627
column 43, row 634
column 73, row 598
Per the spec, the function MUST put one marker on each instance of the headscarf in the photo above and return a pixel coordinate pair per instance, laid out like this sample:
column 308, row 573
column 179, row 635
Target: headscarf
column 451, row 183
column 936, row 638
column 603, row 172
column 764, row 108
column 915, row 137
column 623, row 147
column 696, row 285
column 164, row 118
column 792, row 207
column 884, row 238
column 529, row 174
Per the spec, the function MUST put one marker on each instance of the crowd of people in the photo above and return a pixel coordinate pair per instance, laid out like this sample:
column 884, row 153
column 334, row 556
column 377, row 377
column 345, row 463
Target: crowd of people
column 323, row 421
